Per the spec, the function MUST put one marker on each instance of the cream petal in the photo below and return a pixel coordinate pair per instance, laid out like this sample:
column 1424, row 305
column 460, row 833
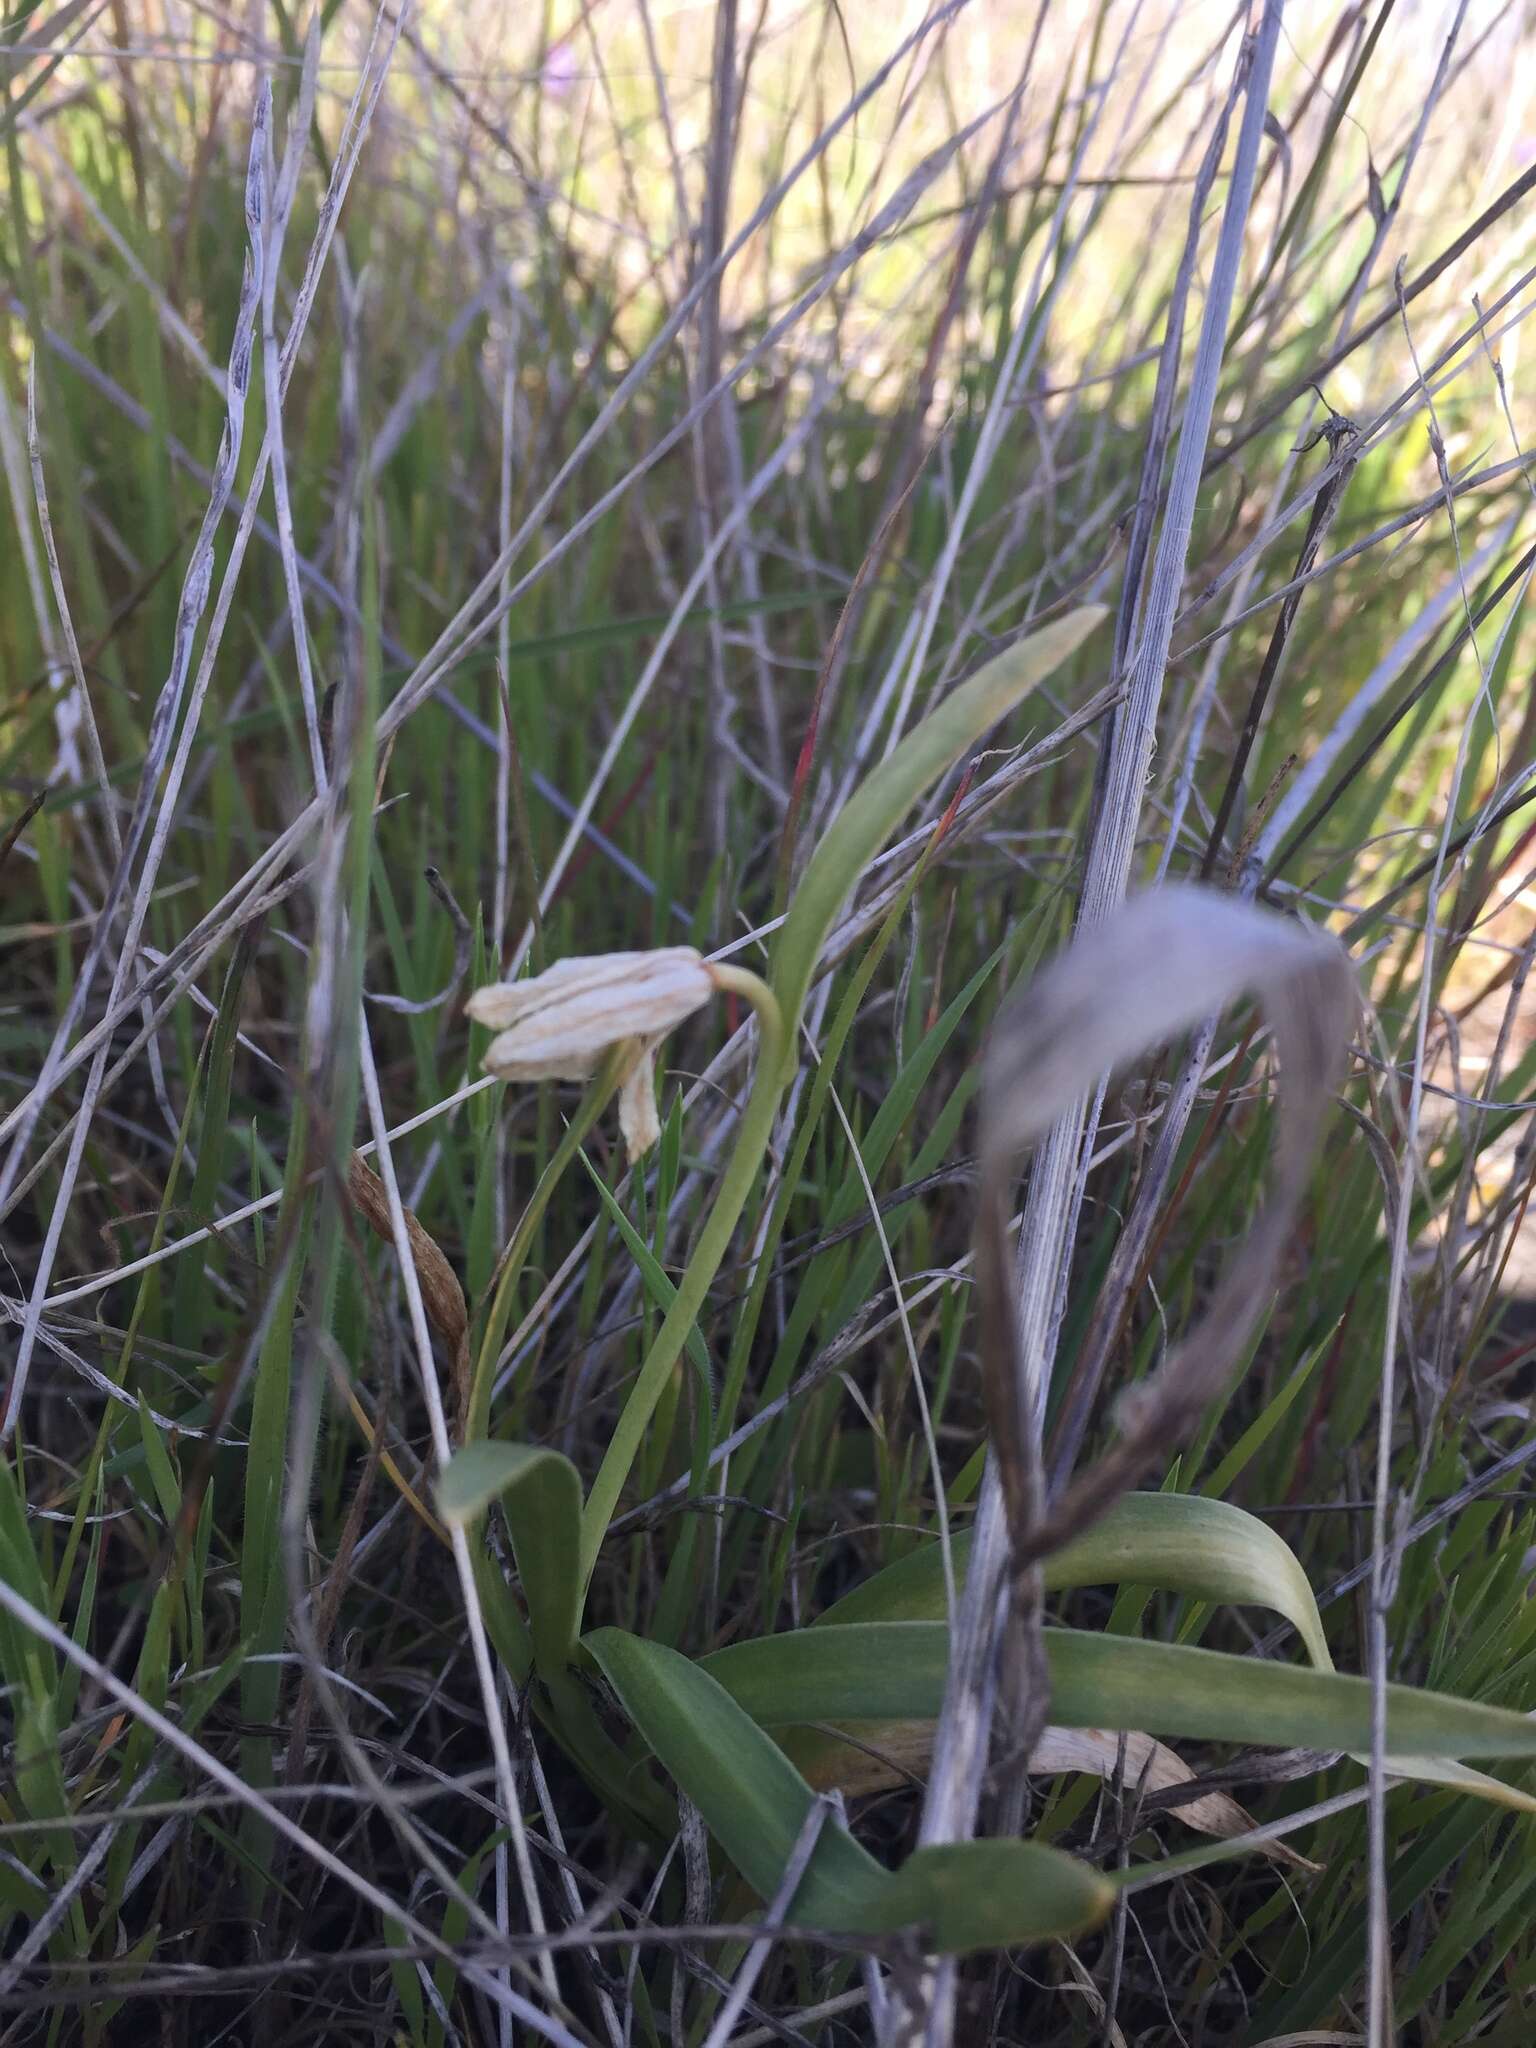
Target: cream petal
column 557, row 1039
column 510, row 1058
column 498, row 1004
column 624, row 992
column 558, row 1025
column 638, row 1119
column 501, row 1003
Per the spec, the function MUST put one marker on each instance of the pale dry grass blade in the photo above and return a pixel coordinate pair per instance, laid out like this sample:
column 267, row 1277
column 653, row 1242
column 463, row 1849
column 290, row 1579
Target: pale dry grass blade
column 500, row 895
column 1415, row 397
column 909, row 1344
column 903, row 334
column 485, row 1671
column 977, row 808
column 283, row 185
column 265, row 230
column 472, row 621
column 1057, row 1184
column 169, row 320
column 778, row 1913
column 100, row 1382
column 168, row 705
column 1031, row 325
column 57, row 1910
column 77, row 709
column 465, row 629
column 576, row 1912
column 1391, row 1513
column 687, row 597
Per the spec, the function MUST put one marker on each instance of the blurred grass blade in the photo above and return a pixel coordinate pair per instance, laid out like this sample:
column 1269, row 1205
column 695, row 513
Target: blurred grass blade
column 1155, row 966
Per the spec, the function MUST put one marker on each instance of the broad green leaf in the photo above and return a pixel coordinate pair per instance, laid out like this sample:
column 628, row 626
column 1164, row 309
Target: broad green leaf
column 1177, row 1542
column 751, row 1796
column 895, row 1670
column 991, row 1894
column 1444, row 1770
column 974, row 1895
column 541, row 1499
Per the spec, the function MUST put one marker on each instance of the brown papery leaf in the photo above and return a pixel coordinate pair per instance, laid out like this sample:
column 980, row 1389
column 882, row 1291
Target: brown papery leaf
column 1159, row 965
column 441, row 1295
column 890, row 1752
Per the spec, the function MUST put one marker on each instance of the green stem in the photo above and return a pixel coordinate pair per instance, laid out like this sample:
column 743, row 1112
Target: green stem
column 714, row 1242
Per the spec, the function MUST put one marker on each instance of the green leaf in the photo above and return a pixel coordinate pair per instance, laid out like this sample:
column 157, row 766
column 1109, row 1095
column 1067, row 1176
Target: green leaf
column 895, row 1670
column 1177, row 1542
column 751, row 1796
column 992, row 1894
column 755, row 1803
column 849, row 844
column 883, row 799
column 541, row 1499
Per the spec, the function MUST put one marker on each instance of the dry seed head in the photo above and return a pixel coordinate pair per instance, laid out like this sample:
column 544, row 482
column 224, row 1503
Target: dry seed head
column 559, row 1024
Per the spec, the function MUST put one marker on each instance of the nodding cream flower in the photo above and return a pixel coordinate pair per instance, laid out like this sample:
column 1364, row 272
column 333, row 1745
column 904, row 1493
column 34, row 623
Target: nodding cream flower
column 558, row 1025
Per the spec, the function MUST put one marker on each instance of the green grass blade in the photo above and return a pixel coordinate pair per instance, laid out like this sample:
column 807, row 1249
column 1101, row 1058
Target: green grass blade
column 872, row 813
